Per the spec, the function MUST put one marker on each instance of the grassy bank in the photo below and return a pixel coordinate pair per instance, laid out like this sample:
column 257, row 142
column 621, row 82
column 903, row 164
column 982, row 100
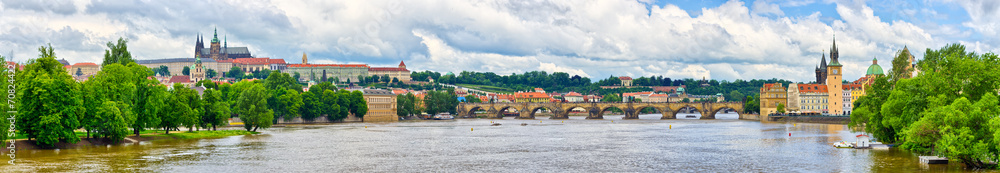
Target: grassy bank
column 488, row 88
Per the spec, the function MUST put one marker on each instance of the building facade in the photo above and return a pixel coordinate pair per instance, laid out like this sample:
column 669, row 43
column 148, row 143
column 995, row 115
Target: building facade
column 626, row 81
column 814, row 98
column 381, row 106
column 794, row 101
column 322, row 72
column 400, row 72
column 530, row 97
column 83, row 69
column 834, row 81
column 771, row 95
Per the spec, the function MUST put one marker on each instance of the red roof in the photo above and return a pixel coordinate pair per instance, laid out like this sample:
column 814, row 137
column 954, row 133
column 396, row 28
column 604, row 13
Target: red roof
column 659, row 95
column 386, row 69
column 85, row 64
column 530, row 95
column 625, row 78
column 276, row 61
column 861, row 135
column 252, row 60
column 328, row 65
column 573, row 94
column 180, row 79
column 812, row 88
column 401, row 63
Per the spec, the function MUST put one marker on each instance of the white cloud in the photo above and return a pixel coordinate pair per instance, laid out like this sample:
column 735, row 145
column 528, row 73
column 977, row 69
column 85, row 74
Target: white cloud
column 588, row 38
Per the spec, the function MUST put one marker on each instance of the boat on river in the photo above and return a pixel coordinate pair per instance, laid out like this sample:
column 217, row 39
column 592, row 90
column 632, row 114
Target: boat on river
column 844, row 144
column 443, row 117
column 690, row 116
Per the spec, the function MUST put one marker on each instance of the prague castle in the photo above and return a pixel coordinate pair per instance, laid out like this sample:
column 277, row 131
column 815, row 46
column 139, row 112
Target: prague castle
column 217, row 51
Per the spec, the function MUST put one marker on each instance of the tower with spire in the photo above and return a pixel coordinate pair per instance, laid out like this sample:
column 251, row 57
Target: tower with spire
column 219, row 49
column 834, row 82
column 821, row 70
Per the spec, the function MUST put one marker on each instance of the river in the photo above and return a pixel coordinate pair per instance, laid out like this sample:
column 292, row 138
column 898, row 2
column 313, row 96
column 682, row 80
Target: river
column 472, row 145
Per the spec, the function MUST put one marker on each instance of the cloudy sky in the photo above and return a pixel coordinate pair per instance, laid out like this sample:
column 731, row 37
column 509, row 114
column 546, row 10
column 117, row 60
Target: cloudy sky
column 717, row 39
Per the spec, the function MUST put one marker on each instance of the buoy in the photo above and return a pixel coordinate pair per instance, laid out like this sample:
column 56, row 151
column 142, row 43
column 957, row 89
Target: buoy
column 671, row 127
column 470, row 129
column 793, row 124
column 789, row 134
column 366, row 127
column 562, row 121
column 539, row 121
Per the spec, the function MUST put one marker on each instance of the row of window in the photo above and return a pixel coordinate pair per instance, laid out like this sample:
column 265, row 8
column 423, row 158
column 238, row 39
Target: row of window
column 813, row 107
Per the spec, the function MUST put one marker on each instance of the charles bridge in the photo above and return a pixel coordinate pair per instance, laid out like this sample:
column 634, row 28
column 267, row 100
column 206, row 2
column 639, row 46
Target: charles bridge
column 596, row 109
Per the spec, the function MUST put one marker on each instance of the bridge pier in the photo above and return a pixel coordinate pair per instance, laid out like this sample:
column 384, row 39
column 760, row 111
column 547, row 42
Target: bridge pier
column 668, row 115
column 630, row 113
column 595, row 114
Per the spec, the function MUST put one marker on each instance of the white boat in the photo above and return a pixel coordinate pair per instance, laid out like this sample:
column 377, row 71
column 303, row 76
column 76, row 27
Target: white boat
column 443, row 117
column 843, row 144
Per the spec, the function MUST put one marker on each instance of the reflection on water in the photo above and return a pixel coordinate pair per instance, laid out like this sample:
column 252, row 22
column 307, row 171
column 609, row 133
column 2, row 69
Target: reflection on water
column 575, row 145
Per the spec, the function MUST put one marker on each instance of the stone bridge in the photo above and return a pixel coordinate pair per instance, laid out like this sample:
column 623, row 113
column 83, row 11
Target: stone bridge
column 595, row 109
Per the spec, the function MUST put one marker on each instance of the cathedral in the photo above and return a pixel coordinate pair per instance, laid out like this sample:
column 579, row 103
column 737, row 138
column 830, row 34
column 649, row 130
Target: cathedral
column 821, row 70
column 217, row 51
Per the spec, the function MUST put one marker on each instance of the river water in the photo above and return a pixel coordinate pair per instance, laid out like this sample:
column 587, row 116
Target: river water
column 472, row 145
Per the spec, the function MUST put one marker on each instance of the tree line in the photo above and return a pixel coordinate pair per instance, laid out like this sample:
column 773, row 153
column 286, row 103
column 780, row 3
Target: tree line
column 124, row 98
column 950, row 109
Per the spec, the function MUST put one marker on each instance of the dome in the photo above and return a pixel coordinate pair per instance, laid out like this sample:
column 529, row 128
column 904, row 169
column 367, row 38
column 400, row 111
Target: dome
column 874, row 69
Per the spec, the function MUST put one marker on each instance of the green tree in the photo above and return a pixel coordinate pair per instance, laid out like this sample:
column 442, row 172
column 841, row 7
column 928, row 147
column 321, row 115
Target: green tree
column 252, row 108
column 49, row 110
column 402, row 101
column 186, row 71
column 385, row 79
column 734, row 96
column 752, row 105
column 117, row 53
column 781, row 108
column 152, row 105
column 297, row 76
column 359, row 105
column 235, row 72
column 900, row 65
column 163, row 70
column 211, row 73
column 472, row 99
column 289, row 104
column 331, row 106
column 611, row 98
column 685, row 100
column 188, row 97
column 217, row 111
column 312, row 106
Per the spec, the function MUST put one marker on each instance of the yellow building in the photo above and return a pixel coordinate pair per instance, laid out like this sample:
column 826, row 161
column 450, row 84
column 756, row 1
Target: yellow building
column 530, row 97
column 381, row 106
column 626, row 81
column 400, row 72
column 771, row 95
column 83, row 69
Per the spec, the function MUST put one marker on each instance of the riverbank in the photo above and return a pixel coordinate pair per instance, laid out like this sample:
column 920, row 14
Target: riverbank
column 24, row 144
column 811, row 119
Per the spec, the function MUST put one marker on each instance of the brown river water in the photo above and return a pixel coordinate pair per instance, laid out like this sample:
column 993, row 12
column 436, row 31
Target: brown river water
column 472, row 145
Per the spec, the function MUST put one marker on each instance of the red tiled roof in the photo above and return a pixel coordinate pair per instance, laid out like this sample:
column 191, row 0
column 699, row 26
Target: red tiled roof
column 530, row 95
column 276, row 61
column 255, row 61
column 401, row 63
column 67, row 66
column 328, row 65
column 659, row 95
column 85, row 64
column 180, row 79
column 574, row 94
column 386, row 69
column 812, row 88
column 625, row 78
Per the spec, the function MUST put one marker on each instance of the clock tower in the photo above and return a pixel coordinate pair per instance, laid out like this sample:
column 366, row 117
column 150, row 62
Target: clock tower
column 834, row 82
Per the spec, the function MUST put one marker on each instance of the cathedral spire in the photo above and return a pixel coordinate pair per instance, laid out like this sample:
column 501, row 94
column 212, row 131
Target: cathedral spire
column 215, row 36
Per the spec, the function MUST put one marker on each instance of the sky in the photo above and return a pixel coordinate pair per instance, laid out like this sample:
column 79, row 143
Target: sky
column 714, row 39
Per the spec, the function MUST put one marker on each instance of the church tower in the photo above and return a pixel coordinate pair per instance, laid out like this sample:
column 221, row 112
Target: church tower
column 821, row 70
column 215, row 46
column 304, row 59
column 834, row 82
column 198, row 45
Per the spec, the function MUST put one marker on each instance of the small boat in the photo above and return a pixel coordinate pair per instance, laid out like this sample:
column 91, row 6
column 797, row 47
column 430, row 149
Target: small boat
column 443, row 117
column 843, row 144
column 690, row 116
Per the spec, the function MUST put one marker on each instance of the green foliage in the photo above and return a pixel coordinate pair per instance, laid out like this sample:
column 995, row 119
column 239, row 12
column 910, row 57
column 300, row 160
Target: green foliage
column 312, row 106
column 752, row 105
column 252, row 108
column 781, row 108
column 899, row 66
column 49, row 110
column 211, row 73
column 116, row 125
column 406, row 105
column 734, row 96
column 472, row 99
column 422, row 76
column 186, row 71
column 332, row 107
column 163, row 70
column 611, row 98
column 217, row 111
column 151, row 106
column 235, row 72
column 685, row 100
column 118, row 53
column 949, row 110
column 359, row 107
column 438, row 101
column 190, row 99
column 289, row 104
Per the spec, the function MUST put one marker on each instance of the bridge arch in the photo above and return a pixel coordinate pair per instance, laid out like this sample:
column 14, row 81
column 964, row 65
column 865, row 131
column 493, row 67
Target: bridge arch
column 502, row 109
column 569, row 109
column 683, row 107
column 716, row 108
column 531, row 114
column 660, row 108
